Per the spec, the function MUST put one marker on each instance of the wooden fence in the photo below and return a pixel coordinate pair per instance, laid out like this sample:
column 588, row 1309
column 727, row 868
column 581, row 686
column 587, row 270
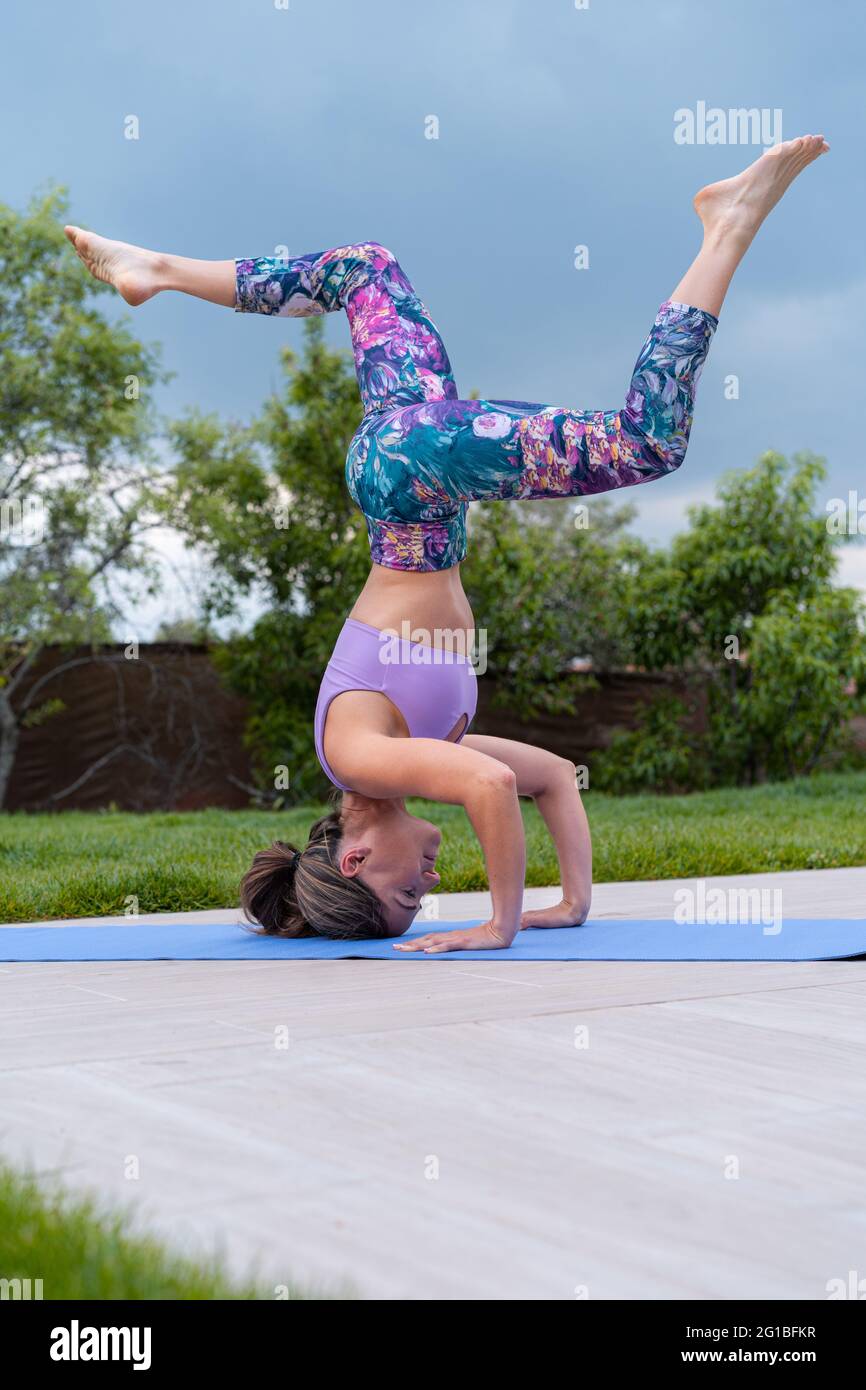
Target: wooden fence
column 160, row 731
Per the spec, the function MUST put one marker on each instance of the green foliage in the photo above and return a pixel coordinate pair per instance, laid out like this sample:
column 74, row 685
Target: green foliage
column 75, row 439
column 540, row 588
column 744, row 601
column 64, row 369
column 806, row 661
column 80, row 1250
column 659, row 754
column 269, row 507
column 183, row 629
column 278, row 666
column 38, row 715
column 69, row 434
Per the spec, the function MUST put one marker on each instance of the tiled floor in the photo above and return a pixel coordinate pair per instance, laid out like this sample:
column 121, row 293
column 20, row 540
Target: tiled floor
column 467, row 1129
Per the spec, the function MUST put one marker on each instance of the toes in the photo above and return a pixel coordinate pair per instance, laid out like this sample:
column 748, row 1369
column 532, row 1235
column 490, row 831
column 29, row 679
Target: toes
column 811, row 145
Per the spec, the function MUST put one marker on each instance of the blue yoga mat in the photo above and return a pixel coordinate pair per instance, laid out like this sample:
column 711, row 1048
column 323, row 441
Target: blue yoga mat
column 825, row 939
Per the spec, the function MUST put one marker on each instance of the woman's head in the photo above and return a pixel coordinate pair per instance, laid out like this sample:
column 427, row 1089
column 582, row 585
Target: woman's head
column 362, row 873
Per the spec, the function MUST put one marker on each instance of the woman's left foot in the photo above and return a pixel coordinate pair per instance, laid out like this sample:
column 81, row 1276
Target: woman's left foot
column 733, row 209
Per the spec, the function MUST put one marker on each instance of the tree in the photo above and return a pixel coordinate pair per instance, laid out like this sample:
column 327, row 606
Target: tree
column 806, row 662
column 744, row 599
column 268, row 505
column 541, row 577
column 79, row 486
column 188, row 630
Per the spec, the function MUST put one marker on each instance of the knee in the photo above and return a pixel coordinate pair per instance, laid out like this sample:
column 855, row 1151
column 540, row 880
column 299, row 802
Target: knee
column 668, row 453
column 362, row 263
column 663, row 449
column 376, row 254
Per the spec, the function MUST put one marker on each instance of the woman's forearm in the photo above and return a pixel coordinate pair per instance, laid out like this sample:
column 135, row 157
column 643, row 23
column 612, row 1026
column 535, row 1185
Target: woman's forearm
column 562, row 810
column 494, row 811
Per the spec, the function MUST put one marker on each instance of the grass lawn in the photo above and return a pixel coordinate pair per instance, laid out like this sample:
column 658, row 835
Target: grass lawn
column 78, row 864
column 81, row 1252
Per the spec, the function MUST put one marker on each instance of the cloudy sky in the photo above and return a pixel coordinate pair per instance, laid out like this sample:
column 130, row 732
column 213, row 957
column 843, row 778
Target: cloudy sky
column 305, row 126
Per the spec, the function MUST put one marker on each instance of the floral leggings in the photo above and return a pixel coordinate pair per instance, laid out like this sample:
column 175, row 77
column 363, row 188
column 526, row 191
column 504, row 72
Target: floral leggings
column 421, row 454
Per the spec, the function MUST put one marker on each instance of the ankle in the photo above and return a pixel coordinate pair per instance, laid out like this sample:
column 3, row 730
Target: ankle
column 163, row 268
column 728, row 237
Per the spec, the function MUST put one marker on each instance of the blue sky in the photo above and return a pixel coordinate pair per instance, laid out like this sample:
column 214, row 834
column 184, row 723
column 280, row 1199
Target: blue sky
column 305, row 126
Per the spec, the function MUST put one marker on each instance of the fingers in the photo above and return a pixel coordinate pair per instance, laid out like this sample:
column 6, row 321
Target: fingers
column 483, row 938
column 454, row 941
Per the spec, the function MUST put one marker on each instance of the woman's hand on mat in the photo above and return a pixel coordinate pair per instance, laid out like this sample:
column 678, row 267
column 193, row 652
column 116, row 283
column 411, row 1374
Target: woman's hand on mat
column 562, row 914
column 487, row 937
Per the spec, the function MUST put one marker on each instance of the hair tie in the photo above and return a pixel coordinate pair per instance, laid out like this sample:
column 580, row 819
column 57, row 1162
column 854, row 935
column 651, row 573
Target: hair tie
column 290, row 855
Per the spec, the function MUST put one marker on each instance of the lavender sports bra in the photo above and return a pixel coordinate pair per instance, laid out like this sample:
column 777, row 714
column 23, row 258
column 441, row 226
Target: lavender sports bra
column 431, row 687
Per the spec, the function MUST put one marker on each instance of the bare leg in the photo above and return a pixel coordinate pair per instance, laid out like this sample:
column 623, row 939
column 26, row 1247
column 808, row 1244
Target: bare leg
column 732, row 211
column 138, row 274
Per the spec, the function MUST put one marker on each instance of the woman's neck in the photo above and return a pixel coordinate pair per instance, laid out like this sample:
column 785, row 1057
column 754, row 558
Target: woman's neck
column 356, row 806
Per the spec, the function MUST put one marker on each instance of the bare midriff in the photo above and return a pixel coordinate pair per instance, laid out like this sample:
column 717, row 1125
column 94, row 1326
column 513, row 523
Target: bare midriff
column 429, row 602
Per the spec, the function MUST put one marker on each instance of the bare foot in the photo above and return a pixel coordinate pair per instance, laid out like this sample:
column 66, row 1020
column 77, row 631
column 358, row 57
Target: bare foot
column 134, row 272
column 562, row 914
column 735, row 208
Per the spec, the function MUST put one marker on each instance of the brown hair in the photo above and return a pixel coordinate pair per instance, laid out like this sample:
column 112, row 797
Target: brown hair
column 292, row 892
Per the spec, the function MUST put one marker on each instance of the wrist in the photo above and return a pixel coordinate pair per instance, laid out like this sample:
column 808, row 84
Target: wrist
column 503, row 931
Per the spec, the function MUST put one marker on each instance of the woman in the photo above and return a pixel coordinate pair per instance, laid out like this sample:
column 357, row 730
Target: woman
column 393, row 712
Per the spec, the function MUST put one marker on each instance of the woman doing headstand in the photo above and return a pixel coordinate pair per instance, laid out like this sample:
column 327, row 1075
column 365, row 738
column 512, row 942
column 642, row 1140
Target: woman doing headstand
column 393, row 713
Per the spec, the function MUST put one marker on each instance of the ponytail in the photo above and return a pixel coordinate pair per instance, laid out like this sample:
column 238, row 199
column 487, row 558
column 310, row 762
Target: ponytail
column 291, row 892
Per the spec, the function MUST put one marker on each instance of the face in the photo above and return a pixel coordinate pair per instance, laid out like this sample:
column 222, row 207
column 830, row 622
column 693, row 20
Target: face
column 395, row 856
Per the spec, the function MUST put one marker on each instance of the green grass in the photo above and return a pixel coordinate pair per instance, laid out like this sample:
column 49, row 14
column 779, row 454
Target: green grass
column 79, row 864
column 80, row 1251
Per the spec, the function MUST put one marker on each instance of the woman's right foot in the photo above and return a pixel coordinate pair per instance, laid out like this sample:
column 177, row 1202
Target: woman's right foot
column 734, row 209
column 134, row 272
